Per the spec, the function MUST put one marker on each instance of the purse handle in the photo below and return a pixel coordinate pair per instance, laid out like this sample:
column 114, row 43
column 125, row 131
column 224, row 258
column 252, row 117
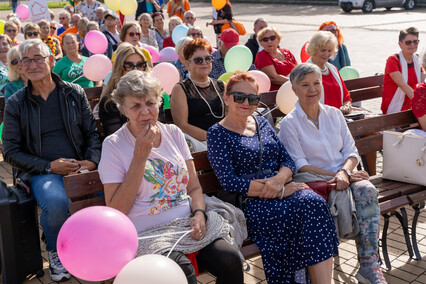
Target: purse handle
column 260, row 147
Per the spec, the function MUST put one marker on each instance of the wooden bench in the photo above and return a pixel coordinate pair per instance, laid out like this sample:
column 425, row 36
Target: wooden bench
column 393, row 196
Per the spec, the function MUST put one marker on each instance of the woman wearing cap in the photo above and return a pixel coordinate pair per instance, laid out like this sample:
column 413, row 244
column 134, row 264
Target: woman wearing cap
column 275, row 62
column 196, row 102
column 341, row 58
column 111, row 32
column 402, row 73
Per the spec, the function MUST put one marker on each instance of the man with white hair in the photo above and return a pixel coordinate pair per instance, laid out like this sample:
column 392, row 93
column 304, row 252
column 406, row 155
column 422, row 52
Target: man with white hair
column 189, row 18
column 49, row 132
column 100, row 16
column 252, row 43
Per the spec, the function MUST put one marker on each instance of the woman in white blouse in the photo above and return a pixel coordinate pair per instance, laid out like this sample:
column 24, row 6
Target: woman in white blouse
column 148, row 35
column 319, row 141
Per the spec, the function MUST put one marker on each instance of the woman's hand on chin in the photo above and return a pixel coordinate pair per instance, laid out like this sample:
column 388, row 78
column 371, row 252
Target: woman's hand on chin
column 145, row 141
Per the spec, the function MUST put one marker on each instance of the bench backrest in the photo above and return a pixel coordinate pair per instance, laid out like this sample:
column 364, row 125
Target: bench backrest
column 365, row 88
column 93, row 95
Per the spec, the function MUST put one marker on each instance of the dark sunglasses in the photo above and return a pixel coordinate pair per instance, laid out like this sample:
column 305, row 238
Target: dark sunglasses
column 199, row 60
column 332, row 31
column 132, row 34
column 53, row 28
column 196, row 34
column 32, row 33
column 11, row 31
column 240, row 98
column 129, row 66
column 62, row 18
column 266, row 39
column 14, row 61
column 410, row 42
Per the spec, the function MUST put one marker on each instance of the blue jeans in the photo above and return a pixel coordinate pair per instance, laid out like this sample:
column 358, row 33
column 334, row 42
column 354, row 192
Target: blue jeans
column 49, row 191
column 14, row 5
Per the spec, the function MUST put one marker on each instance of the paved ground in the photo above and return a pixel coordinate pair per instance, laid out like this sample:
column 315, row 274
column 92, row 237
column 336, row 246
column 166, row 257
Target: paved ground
column 370, row 40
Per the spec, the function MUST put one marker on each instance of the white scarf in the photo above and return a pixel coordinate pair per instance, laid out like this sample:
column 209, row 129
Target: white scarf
column 336, row 76
column 399, row 96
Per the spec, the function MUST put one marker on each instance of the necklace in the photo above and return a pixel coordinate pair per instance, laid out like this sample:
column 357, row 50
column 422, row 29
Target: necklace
column 316, row 122
column 200, row 83
column 221, row 101
column 325, row 70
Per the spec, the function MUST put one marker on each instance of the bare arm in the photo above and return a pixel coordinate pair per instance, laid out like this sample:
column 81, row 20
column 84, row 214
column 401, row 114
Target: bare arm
column 422, row 121
column 179, row 109
column 399, row 80
column 275, row 78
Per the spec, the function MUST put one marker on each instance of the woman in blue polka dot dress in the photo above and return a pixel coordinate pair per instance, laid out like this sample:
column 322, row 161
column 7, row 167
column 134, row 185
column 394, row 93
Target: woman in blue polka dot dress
column 291, row 225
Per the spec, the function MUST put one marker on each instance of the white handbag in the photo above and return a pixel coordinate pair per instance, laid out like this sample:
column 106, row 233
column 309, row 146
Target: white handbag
column 404, row 157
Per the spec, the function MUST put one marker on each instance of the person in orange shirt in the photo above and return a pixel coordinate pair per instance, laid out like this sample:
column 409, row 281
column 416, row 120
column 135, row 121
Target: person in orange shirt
column 74, row 21
column 178, row 8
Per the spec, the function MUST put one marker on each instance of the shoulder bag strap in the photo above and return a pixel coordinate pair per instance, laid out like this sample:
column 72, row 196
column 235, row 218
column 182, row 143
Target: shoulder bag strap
column 259, row 135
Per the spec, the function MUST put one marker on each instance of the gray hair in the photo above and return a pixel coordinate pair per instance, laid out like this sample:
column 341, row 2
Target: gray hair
column 100, row 9
column 147, row 16
column 189, row 12
column 259, row 20
column 92, row 24
column 65, row 14
column 300, row 71
column 137, row 84
column 36, row 43
column 182, row 42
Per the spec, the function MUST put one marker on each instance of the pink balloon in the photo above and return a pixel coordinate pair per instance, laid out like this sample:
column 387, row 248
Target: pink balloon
column 154, row 53
column 95, row 243
column 262, row 79
column 96, row 42
column 168, row 54
column 23, row 12
column 97, row 67
column 167, row 74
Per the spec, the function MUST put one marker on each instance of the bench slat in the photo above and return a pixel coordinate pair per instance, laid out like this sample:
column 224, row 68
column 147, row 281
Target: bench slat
column 392, row 205
column 417, row 197
column 369, row 144
column 81, row 204
column 90, row 182
column 366, row 94
column 364, row 82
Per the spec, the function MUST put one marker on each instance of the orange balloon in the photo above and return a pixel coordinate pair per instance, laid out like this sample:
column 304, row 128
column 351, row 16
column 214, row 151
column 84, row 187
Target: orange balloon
column 303, row 55
column 218, row 4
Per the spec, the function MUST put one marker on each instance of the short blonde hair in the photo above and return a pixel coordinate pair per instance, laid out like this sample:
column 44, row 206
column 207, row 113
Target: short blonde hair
column 263, row 31
column 13, row 53
column 321, row 39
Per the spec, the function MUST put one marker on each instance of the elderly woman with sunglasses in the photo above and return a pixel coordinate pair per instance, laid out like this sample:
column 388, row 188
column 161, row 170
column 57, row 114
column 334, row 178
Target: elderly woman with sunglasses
column 321, row 48
column 319, row 141
column 275, row 62
column 291, row 225
column 341, row 58
column 402, row 73
column 132, row 33
column 17, row 77
column 11, row 29
column 128, row 58
column 196, row 102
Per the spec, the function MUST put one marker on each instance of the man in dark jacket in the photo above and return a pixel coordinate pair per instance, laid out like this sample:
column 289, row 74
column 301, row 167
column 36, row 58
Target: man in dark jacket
column 49, row 131
column 252, row 42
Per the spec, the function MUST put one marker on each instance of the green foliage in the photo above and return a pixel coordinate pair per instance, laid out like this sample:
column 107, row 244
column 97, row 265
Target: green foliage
column 51, row 5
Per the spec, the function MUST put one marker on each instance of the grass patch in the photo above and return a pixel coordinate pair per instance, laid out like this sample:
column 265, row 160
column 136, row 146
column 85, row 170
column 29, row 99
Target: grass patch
column 51, row 5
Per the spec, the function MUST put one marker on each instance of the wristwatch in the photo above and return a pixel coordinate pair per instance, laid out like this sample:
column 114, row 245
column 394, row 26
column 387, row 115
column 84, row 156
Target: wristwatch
column 48, row 169
column 347, row 171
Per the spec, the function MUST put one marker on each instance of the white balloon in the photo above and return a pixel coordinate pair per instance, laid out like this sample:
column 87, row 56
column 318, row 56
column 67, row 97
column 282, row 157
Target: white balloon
column 286, row 98
column 151, row 269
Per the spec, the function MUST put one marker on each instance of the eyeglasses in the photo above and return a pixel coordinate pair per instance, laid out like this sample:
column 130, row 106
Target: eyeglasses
column 332, row 31
column 11, row 31
column 410, row 42
column 37, row 60
column 53, row 28
column 132, row 34
column 189, row 18
column 14, row 61
column 129, row 66
column 62, row 18
column 240, row 98
column 271, row 38
column 199, row 60
column 33, row 33
column 196, row 34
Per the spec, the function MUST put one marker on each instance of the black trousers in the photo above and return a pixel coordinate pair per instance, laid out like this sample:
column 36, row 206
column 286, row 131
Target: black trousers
column 219, row 258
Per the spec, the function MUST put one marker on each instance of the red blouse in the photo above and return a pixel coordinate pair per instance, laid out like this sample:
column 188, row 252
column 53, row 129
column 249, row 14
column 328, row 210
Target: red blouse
column 418, row 103
column 284, row 68
column 390, row 87
column 332, row 94
column 168, row 42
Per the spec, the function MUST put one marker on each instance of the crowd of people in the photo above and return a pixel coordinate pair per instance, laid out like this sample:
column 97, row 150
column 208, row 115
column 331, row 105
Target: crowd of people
column 146, row 165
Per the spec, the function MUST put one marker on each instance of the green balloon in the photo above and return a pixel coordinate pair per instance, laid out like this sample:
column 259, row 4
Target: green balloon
column 238, row 57
column 166, row 99
column 348, row 73
column 225, row 77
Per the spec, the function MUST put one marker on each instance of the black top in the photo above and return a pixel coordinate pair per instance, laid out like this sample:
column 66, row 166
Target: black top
column 199, row 113
column 110, row 116
column 253, row 45
column 222, row 14
column 55, row 143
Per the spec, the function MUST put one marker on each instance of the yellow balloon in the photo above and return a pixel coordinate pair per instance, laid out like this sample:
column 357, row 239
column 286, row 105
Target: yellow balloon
column 225, row 77
column 286, row 98
column 218, row 4
column 113, row 5
column 2, row 26
column 128, row 7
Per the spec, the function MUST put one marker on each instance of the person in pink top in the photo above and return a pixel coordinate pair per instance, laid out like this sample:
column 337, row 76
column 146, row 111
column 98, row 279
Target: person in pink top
column 321, row 48
column 275, row 62
column 402, row 73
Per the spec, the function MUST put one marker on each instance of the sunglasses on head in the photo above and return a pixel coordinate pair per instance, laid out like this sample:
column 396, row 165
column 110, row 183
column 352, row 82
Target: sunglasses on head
column 410, row 42
column 240, row 98
column 132, row 34
column 32, row 33
column 199, row 60
column 14, row 61
column 129, row 66
column 271, row 38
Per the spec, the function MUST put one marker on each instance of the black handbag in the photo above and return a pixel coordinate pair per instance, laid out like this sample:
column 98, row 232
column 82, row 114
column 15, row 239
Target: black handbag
column 237, row 199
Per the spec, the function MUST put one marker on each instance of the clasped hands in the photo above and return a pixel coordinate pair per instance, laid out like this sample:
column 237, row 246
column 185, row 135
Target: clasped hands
column 342, row 180
column 272, row 187
column 65, row 166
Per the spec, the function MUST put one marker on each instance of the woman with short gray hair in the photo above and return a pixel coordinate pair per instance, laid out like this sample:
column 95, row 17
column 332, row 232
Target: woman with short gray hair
column 147, row 35
column 149, row 174
column 321, row 47
column 321, row 145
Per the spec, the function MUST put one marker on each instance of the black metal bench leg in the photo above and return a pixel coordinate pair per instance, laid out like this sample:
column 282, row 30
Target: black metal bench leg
column 384, row 242
column 416, row 208
column 404, row 223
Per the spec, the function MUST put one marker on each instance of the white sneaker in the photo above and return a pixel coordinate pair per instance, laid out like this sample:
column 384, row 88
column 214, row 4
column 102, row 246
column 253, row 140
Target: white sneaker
column 57, row 270
column 370, row 274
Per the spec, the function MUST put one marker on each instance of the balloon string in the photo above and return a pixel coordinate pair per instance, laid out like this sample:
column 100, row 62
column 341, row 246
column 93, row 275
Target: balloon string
column 165, row 234
column 178, row 242
column 76, row 79
column 268, row 112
